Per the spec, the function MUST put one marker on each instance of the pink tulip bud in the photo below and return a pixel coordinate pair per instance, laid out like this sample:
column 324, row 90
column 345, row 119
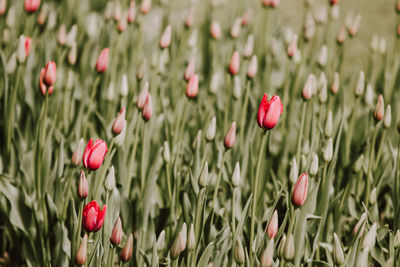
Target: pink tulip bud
column 62, row 35
column 235, row 63
column 246, row 17
column 249, row 47
column 299, row 193
column 192, row 87
column 361, row 223
column 189, row 18
column 145, row 7
column 3, row 7
column 132, row 12
column 126, row 253
column 42, row 85
column 341, row 35
column 81, row 254
column 272, row 229
column 43, row 14
column 28, row 44
column 82, row 186
column 230, row 137
column 123, row 22
column 355, row 25
column 141, row 101
column 269, row 112
column 31, row 5
column 117, row 11
column 398, row 30
column 379, row 109
column 50, row 73
column 215, row 30
column 93, row 217
column 308, row 90
column 165, row 40
column 334, row 2
column 148, row 109
column 235, row 30
column 116, row 234
column 252, row 70
column 119, row 122
column 102, row 61
column 94, row 154
column 292, row 48
column 271, row 3
column 190, row 69
column 78, row 154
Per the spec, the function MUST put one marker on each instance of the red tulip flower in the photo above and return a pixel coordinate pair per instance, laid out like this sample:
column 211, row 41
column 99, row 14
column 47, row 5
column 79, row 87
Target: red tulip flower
column 93, row 217
column 269, row 112
column 102, row 61
column 94, row 154
column 50, row 74
column 31, row 5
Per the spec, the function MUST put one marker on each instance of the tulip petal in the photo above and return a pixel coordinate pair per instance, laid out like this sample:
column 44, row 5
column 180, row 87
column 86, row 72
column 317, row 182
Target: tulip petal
column 87, row 152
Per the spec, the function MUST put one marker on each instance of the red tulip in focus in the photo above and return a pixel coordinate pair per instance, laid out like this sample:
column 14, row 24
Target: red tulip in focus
column 299, row 193
column 269, row 112
column 93, row 217
column 192, row 87
column 31, row 5
column 234, row 64
column 102, row 61
column 50, row 74
column 94, row 154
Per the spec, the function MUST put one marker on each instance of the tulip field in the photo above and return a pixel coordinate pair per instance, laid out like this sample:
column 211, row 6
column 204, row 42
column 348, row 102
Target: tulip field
column 198, row 133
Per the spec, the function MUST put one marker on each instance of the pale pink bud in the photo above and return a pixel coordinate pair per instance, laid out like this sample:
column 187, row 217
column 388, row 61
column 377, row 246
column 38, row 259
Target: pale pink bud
column 271, row 3
column 335, row 83
column 272, row 229
column 148, row 109
column 292, row 48
column 3, row 7
column 379, row 109
column 117, row 11
column 246, row 17
column 43, row 14
column 341, row 35
column 192, row 87
column 355, row 25
column 189, row 18
column 252, row 70
column 323, row 56
column 31, row 5
column 235, row 63
column 116, row 234
column 83, row 188
column 123, row 22
column 141, row 101
column 132, row 12
column 235, row 30
column 81, row 253
column 50, row 73
column 307, row 91
column 62, row 35
column 119, row 122
column 165, row 40
column 126, row 253
column 299, row 193
column 249, row 47
column 190, row 69
column 72, row 54
column 230, row 137
column 215, row 30
column 145, row 6
column 102, row 61
column 361, row 224
column 78, row 154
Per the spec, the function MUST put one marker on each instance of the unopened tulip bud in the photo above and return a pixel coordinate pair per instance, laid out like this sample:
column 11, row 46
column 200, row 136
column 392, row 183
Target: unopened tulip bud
column 369, row 95
column 44, row 11
column 108, row 11
column 230, row 137
column 132, row 12
column 109, row 184
column 335, row 83
column 21, row 55
column 189, row 18
column 102, row 61
column 126, row 253
column 210, row 134
column 234, row 64
column 192, row 87
column 328, row 150
column 82, row 186
column 3, row 7
column 166, row 152
column 337, row 250
column 119, row 122
column 81, row 253
column 292, row 48
column 370, row 238
column 72, row 54
column 361, row 223
column 62, row 35
column 161, row 241
column 236, row 175
column 249, row 47
column 341, row 36
column 203, row 179
column 246, row 17
column 215, row 30
column 356, row 24
column 117, row 11
column 148, row 109
column 299, row 192
column 142, row 98
column 116, row 234
column 289, row 247
column 235, row 30
column 372, row 196
column 216, row 81
column 191, row 242
column 237, row 87
column 141, row 70
column 328, row 125
column 192, row 41
column 12, row 63
column 314, row 165
column 387, row 120
column 50, row 73
column 379, row 109
column 165, row 40
column 294, row 171
column 145, row 6
column 175, row 250
column 78, row 154
column 306, row 147
column 239, row 251
column 272, row 229
column 396, row 240
column 71, row 36
column 323, row 93
column 281, row 247
column 28, row 43
column 307, row 91
column 10, row 19
column 252, row 70
column 323, row 56
column 124, row 89
column 123, row 22
column 31, row 5
column 266, row 259
column 190, row 70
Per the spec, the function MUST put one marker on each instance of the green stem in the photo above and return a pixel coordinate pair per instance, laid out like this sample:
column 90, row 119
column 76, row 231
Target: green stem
column 218, row 180
column 133, row 155
column 11, row 105
column 233, row 210
column 110, row 256
column 91, row 100
column 370, row 159
column 228, row 99
column 300, row 137
column 255, row 190
column 104, row 168
column 167, row 172
column 244, row 114
column 78, row 232
column 381, row 145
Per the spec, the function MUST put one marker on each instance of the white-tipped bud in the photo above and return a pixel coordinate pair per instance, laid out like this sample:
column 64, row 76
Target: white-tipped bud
column 71, row 36
column 387, row 119
column 237, row 87
column 267, row 258
column 297, row 57
column 166, row 152
column 253, row 65
column 323, row 87
column 328, row 150
column 210, row 134
column 335, row 83
column 249, row 47
column 21, row 54
column 372, row 196
column 360, row 84
column 306, row 147
column 337, row 250
column 161, row 241
column 328, row 125
column 239, row 252
column 191, row 242
column 216, row 81
column 109, row 184
column 10, row 19
column 281, row 247
column 369, row 95
column 294, row 172
column 314, row 165
column 204, row 178
column 289, row 247
column 370, row 238
column 323, row 56
column 235, row 30
column 124, row 86
column 184, row 237
column 335, row 12
column 236, row 175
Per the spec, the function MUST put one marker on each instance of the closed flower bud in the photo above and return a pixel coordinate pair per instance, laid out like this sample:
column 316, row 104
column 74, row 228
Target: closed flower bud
column 161, row 241
column 327, row 152
column 341, row 36
column 117, row 11
column 12, row 64
column 314, row 165
column 203, row 179
column 189, row 18
column 71, row 36
column 230, row 137
column 252, row 70
column 142, row 98
column 119, row 122
column 323, row 56
column 165, row 40
column 299, row 192
column 306, row 148
column 249, row 47
column 10, row 19
column 246, row 17
column 102, row 61
column 370, row 238
column 50, row 73
column 78, row 154
column 126, row 253
column 234, row 64
column 272, row 229
column 360, row 226
column 308, row 90
column 372, row 196
column 289, row 247
column 72, row 54
column 132, row 11
column 335, row 83
column 323, row 87
column 124, row 86
column 166, row 152
column 123, row 22
column 62, row 35
column 236, row 175
column 44, row 11
column 116, row 234
column 141, row 70
column 387, row 120
column 94, row 154
column 239, row 251
column 81, row 253
column 359, row 163
column 267, row 258
column 235, row 30
column 355, row 25
column 191, row 242
column 369, row 95
column 31, row 5
column 109, row 184
column 215, row 30
column 210, row 134
column 328, row 125
column 269, row 112
column 292, row 48
column 21, row 54
column 3, row 7
column 337, row 250
column 379, row 109
column 93, row 217
column 281, row 247
column 216, row 81
column 83, row 190
column 190, row 70
column 396, row 240
column 192, row 87
column 237, row 87
column 147, row 111
column 145, row 6
column 294, row 171
column 175, row 250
